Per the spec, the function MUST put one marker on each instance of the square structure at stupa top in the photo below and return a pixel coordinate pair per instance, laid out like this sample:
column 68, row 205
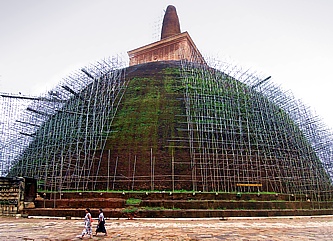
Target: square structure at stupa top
column 173, row 45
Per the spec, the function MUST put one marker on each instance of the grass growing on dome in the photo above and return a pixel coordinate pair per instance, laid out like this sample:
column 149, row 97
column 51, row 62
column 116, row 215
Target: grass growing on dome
column 148, row 112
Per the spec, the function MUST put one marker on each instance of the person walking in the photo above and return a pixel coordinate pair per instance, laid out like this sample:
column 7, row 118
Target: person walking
column 87, row 224
column 101, row 223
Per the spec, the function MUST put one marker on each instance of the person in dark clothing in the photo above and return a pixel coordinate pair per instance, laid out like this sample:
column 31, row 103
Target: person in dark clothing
column 101, row 223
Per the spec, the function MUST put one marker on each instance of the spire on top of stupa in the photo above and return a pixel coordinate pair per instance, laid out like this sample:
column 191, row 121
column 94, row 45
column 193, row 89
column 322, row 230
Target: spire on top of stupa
column 174, row 45
column 171, row 24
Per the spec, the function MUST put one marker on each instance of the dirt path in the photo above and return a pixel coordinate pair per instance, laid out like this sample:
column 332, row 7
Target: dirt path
column 286, row 228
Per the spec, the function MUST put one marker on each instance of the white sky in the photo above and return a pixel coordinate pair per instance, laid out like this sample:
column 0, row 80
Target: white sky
column 43, row 41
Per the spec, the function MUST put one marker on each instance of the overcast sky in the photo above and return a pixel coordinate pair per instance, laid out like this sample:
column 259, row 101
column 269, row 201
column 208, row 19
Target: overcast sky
column 43, row 41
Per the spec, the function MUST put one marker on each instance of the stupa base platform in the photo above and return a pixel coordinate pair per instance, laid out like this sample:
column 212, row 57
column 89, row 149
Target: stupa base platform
column 177, row 205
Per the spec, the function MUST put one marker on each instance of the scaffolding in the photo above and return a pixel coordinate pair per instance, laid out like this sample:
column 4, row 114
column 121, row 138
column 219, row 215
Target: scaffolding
column 244, row 132
column 61, row 131
column 240, row 130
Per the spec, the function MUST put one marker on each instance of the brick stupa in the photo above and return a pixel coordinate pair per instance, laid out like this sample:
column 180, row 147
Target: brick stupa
column 173, row 45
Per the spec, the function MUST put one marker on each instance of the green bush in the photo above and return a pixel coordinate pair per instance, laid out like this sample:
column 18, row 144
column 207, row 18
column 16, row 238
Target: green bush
column 133, row 201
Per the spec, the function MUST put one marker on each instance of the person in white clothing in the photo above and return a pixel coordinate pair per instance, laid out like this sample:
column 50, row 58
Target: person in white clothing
column 87, row 224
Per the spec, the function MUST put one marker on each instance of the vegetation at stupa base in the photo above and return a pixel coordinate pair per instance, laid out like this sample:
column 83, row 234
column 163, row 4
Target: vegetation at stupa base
column 172, row 125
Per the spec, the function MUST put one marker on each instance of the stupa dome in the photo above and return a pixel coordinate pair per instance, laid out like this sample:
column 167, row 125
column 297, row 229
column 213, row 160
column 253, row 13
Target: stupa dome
column 172, row 123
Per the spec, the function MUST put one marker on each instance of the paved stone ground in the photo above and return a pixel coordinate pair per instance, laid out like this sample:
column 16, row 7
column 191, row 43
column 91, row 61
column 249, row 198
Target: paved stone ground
column 283, row 228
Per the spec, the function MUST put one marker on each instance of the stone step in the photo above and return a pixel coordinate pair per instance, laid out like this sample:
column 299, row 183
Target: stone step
column 81, row 203
column 222, row 204
column 182, row 204
column 186, row 213
column 173, row 196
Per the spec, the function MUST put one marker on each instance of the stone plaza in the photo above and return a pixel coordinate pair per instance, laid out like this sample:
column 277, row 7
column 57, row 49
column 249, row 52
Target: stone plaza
column 277, row 228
